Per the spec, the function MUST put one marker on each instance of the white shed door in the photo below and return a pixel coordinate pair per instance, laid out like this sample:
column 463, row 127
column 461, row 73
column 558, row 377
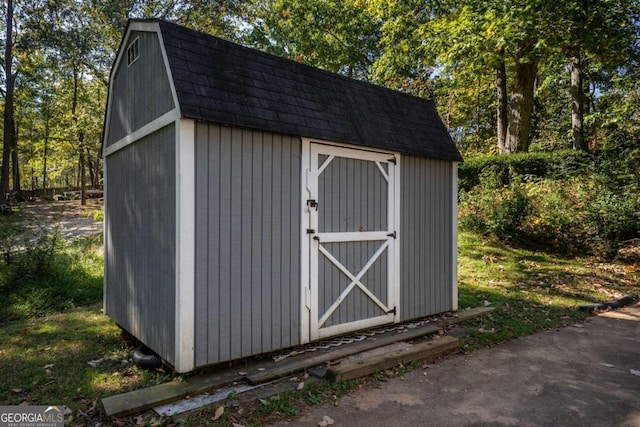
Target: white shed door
column 351, row 216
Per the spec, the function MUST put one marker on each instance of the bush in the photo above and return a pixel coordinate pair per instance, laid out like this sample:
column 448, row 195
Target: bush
column 556, row 164
column 557, row 215
column 595, row 211
column 492, row 208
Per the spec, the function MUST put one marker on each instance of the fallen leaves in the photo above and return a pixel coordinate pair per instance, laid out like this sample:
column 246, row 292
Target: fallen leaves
column 326, row 421
column 218, row 413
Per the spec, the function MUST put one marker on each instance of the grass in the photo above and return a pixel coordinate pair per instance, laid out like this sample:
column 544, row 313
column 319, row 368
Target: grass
column 44, row 360
column 50, row 275
column 45, row 349
column 534, row 290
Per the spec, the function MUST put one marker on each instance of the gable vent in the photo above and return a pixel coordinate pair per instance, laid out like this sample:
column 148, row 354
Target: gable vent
column 133, row 52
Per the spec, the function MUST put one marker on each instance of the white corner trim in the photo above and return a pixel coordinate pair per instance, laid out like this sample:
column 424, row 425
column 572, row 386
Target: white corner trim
column 185, row 246
column 145, row 130
column 106, row 236
column 305, row 286
column 165, row 59
column 454, row 235
column 396, row 242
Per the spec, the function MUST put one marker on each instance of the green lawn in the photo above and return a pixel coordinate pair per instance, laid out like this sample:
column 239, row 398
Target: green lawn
column 534, row 290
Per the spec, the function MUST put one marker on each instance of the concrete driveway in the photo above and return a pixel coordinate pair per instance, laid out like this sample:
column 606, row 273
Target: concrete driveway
column 583, row 375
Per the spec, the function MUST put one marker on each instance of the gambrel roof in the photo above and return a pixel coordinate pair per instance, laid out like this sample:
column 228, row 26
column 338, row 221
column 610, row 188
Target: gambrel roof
column 223, row 82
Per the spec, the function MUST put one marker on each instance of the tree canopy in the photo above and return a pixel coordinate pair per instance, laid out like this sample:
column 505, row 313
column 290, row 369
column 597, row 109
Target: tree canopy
column 507, row 76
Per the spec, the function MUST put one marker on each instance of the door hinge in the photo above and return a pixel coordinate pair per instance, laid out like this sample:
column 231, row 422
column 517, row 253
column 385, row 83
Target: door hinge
column 393, row 310
column 394, row 235
column 393, row 160
column 312, row 203
column 311, row 231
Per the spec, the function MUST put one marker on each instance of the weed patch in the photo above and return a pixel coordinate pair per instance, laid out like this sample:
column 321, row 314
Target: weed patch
column 51, row 275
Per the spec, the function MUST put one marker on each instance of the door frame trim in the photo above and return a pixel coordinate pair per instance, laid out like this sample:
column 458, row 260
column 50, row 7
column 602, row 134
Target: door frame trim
column 305, row 246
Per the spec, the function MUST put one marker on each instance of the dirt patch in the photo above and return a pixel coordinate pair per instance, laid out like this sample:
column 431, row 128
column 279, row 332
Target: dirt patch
column 74, row 219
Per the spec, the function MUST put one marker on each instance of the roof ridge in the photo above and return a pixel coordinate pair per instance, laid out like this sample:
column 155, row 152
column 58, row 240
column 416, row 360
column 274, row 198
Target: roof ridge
column 222, row 81
column 284, row 59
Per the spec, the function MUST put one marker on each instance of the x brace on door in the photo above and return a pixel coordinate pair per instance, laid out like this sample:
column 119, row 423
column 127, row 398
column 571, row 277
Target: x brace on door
column 355, row 281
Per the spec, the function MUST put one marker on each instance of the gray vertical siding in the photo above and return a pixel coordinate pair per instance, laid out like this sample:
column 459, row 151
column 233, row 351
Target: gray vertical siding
column 139, row 93
column 352, row 196
column 140, row 240
column 247, row 243
column 425, row 237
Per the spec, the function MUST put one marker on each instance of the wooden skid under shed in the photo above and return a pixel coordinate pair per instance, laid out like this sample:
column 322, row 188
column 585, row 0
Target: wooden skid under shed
column 139, row 400
column 340, row 353
column 359, row 368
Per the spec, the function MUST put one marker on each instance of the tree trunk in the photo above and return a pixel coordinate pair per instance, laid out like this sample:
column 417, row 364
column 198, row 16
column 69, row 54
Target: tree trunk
column 15, row 163
column 501, row 93
column 521, row 107
column 81, row 166
column 83, row 172
column 9, row 120
column 577, row 100
column 45, row 156
column 91, row 167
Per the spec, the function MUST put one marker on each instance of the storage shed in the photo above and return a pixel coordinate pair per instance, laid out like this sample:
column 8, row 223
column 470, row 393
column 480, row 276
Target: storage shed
column 254, row 203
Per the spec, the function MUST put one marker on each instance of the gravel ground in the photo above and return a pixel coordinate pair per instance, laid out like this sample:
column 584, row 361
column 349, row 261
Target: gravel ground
column 74, row 220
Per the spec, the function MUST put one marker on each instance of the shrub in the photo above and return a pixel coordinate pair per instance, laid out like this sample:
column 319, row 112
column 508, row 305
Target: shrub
column 567, row 200
column 557, row 215
column 556, row 164
column 492, row 208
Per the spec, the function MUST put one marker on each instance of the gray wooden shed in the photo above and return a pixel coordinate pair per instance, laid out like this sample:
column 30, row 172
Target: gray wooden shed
column 254, row 203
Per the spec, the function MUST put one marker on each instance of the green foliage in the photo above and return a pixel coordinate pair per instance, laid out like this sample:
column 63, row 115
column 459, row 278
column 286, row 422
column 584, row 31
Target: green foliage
column 559, row 163
column 568, row 204
column 493, row 208
column 49, row 275
column 339, row 36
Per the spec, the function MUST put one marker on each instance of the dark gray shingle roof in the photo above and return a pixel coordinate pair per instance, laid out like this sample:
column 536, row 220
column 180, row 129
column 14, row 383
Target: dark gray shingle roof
column 223, row 82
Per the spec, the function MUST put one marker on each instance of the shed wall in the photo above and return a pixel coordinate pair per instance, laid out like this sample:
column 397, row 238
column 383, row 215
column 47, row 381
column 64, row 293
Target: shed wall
column 141, row 92
column 426, row 237
column 247, row 291
column 140, row 239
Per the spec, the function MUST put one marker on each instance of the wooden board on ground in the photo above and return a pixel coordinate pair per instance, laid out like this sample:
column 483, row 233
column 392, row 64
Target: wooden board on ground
column 339, row 353
column 359, row 368
column 139, row 400
column 464, row 315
